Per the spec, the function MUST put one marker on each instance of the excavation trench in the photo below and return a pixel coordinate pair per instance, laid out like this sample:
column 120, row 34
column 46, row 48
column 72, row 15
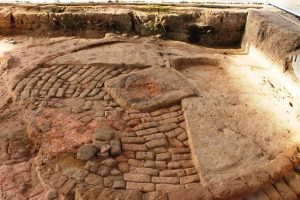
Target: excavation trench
column 157, row 109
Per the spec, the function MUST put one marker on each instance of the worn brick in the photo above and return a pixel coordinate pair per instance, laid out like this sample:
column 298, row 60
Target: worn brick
column 149, row 164
column 163, row 156
column 91, row 166
column 167, row 180
column 186, row 143
column 170, row 120
column 169, row 115
column 134, row 147
column 151, row 119
column 146, row 125
column 160, row 150
column 129, row 154
column 175, row 143
column 133, row 194
column 168, row 187
column 154, row 136
column 190, row 171
column 93, row 179
column 178, row 157
column 159, row 112
column 156, row 143
column 186, row 163
column 143, row 170
column 189, row 179
column 172, row 173
column 115, row 172
column 136, row 163
column 123, row 166
column 174, row 165
column 119, row 185
column 144, row 187
column 200, row 192
column 175, row 108
column 167, row 127
column 109, row 162
column 146, row 132
column 138, row 115
column 133, row 140
column 157, row 195
column 141, row 178
column 121, row 158
column 161, row 165
column 144, row 155
column 182, row 137
column 179, row 150
column 133, row 122
column 174, row 133
column 103, row 170
column 109, row 181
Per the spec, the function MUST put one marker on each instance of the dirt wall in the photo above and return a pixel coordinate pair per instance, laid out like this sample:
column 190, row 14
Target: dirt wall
column 204, row 26
column 275, row 36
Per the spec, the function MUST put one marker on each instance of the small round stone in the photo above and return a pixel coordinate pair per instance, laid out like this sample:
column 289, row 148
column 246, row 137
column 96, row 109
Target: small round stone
column 115, row 172
column 103, row 171
column 109, row 162
column 123, row 166
column 86, row 152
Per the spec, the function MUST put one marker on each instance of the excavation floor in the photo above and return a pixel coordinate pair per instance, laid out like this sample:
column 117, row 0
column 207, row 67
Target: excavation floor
column 243, row 118
column 129, row 118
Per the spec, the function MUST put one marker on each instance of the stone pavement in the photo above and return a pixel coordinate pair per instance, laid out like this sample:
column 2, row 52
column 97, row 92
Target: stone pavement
column 80, row 129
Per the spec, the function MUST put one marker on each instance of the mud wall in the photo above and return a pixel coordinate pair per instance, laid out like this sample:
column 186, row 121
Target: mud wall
column 276, row 36
column 205, row 26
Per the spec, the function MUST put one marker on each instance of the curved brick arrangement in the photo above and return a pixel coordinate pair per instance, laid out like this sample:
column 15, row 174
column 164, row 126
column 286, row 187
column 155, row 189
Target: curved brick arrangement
column 67, row 81
column 74, row 138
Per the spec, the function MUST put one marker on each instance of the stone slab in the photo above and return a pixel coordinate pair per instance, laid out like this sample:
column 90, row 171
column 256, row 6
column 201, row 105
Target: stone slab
column 221, row 149
column 149, row 89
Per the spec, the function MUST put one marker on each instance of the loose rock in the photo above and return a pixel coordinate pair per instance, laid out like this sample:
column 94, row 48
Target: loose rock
column 86, row 152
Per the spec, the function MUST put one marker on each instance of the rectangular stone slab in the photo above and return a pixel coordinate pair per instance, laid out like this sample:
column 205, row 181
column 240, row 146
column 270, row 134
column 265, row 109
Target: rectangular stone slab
column 149, row 89
column 220, row 152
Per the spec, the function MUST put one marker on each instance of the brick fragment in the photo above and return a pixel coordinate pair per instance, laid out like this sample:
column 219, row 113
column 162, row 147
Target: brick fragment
column 144, row 187
column 167, row 180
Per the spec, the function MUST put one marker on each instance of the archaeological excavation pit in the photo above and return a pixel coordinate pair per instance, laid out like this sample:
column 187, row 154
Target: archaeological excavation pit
column 149, row 102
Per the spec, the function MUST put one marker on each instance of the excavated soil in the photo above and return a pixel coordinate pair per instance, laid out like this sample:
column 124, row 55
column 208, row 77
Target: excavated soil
column 143, row 118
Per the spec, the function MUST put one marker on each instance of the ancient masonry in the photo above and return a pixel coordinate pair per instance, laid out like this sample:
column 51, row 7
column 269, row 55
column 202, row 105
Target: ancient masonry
column 152, row 154
column 96, row 131
column 67, row 81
